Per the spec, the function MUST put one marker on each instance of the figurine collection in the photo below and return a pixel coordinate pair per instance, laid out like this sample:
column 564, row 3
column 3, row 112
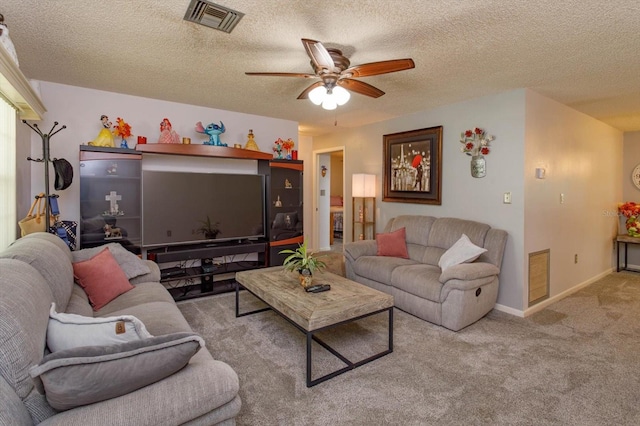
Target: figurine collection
column 119, row 133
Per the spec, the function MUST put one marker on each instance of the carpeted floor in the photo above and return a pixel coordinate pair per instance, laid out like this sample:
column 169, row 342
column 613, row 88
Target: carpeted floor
column 575, row 363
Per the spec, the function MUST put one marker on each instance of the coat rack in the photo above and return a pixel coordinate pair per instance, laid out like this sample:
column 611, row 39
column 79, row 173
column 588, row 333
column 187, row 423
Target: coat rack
column 46, row 160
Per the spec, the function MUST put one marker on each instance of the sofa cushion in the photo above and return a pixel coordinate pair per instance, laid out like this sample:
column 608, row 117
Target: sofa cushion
column 13, row 411
column 420, row 280
column 47, row 236
column 89, row 374
column 49, row 259
column 463, row 251
column 158, row 317
column 418, row 227
column 142, row 293
column 446, row 231
column 102, row 278
column 379, row 268
column 68, row 331
column 79, row 303
column 392, row 244
column 131, row 265
column 23, row 326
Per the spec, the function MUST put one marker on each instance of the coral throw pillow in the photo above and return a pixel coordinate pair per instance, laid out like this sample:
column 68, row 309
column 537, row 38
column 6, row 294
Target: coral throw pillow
column 101, row 278
column 393, row 244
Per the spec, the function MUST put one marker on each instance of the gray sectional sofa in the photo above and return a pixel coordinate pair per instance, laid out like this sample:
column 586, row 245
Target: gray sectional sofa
column 37, row 270
column 455, row 298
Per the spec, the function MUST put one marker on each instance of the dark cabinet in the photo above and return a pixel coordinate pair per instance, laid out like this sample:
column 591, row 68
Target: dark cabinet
column 110, row 209
column 285, row 209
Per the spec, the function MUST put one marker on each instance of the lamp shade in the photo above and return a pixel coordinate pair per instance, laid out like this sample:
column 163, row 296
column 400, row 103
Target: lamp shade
column 363, row 185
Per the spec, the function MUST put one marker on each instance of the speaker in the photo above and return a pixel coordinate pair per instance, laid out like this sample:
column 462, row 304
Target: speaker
column 206, row 283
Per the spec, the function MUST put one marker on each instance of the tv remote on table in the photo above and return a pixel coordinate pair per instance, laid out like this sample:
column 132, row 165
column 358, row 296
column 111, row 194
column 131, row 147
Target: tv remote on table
column 318, row 288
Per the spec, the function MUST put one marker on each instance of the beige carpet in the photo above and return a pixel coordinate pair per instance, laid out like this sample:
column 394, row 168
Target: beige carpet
column 575, row 363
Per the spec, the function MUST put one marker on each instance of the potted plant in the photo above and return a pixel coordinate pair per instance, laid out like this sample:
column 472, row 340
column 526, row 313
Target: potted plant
column 304, row 262
column 210, row 230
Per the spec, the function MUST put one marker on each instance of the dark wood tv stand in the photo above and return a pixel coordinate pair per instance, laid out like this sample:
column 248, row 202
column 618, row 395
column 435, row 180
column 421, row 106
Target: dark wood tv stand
column 190, row 280
column 283, row 197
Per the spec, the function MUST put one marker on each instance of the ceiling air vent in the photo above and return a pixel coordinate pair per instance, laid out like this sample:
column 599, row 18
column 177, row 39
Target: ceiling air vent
column 212, row 15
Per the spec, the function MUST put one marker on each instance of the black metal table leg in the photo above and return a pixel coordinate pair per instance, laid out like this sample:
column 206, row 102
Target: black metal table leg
column 238, row 314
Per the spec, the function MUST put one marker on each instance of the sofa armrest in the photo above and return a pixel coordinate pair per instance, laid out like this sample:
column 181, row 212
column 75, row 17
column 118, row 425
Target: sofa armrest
column 358, row 249
column 469, row 272
column 153, row 276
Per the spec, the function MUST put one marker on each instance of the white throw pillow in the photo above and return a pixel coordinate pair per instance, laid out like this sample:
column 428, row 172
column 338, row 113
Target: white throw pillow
column 461, row 252
column 68, row 331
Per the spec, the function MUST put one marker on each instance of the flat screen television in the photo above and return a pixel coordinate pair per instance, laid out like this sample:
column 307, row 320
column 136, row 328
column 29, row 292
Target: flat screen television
column 177, row 205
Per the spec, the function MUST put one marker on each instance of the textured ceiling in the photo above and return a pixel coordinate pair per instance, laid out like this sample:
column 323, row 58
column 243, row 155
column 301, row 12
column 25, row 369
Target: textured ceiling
column 583, row 53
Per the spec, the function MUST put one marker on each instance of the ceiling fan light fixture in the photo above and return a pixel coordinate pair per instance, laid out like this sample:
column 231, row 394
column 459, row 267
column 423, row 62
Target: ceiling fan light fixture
column 317, row 95
column 341, row 95
column 329, row 102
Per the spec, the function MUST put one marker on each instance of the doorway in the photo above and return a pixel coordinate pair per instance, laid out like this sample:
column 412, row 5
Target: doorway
column 329, row 193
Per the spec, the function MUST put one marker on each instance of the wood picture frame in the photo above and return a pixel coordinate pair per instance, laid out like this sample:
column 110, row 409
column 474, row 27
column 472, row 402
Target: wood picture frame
column 413, row 166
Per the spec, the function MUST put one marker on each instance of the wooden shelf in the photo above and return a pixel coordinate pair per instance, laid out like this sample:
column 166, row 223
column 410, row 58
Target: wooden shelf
column 198, row 150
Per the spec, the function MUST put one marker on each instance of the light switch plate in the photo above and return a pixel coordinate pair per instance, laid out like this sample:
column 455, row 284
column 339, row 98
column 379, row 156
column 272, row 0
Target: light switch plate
column 507, row 198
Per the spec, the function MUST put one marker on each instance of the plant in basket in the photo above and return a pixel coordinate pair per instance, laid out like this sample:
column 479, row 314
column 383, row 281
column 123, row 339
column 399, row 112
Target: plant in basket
column 304, row 262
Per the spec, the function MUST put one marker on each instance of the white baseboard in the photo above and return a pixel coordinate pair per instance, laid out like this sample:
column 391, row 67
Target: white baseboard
column 509, row 310
column 540, row 306
column 630, row 266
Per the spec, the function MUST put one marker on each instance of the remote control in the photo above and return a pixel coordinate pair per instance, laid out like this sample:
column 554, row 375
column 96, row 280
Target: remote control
column 313, row 288
column 321, row 287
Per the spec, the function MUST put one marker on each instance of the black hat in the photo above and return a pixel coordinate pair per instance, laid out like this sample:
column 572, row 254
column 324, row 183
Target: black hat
column 64, row 173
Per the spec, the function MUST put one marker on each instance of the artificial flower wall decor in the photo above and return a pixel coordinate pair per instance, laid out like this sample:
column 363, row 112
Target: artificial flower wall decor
column 475, row 143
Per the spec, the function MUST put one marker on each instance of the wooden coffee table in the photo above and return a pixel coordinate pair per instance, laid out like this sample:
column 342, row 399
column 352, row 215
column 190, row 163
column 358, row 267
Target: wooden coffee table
column 347, row 301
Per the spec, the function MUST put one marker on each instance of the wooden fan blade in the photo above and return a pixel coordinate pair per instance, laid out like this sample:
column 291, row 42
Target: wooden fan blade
column 305, row 93
column 382, row 67
column 282, row 74
column 318, row 54
column 360, row 87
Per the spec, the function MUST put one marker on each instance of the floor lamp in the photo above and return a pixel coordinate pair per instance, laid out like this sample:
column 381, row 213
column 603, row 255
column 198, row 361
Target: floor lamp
column 363, row 187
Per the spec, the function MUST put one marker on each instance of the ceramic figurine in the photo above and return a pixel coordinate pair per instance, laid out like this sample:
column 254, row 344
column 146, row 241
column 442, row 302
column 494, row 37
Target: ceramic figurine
column 167, row 134
column 251, row 143
column 214, row 131
column 122, row 129
column 105, row 137
column 111, row 232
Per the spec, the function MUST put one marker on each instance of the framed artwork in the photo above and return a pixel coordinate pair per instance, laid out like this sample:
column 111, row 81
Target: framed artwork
column 413, row 166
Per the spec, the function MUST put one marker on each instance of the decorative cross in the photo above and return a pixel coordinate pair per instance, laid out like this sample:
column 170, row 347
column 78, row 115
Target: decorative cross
column 113, row 199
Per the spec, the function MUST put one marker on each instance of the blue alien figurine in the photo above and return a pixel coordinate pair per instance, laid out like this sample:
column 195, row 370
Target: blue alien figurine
column 214, row 131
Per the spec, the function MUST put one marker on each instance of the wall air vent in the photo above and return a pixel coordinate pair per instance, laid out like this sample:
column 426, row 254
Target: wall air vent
column 212, row 15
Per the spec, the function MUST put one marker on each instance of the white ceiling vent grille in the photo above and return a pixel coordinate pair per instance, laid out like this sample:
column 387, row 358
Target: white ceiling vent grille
column 212, row 15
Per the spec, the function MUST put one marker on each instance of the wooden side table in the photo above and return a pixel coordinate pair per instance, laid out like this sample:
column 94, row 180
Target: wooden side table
column 624, row 239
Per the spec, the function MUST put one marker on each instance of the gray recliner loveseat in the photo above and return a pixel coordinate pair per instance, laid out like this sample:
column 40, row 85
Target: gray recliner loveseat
column 455, row 298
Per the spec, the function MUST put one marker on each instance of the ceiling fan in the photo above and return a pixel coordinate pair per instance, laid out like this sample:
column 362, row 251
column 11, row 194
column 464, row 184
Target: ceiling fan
column 335, row 74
